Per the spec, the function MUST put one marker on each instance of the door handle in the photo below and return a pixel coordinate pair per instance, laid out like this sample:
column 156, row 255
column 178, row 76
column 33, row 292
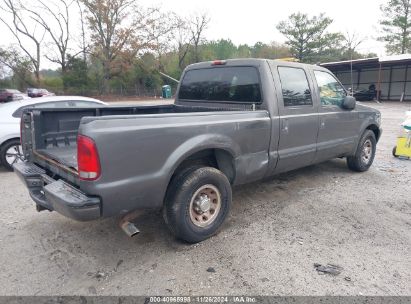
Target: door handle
column 284, row 125
column 322, row 123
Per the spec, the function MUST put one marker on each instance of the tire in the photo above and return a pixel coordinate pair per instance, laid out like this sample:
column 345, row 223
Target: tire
column 394, row 152
column 365, row 153
column 9, row 98
column 197, row 203
column 10, row 147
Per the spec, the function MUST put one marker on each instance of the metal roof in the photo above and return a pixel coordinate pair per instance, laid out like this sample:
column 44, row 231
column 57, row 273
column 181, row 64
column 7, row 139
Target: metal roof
column 365, row 60
column 393, row 59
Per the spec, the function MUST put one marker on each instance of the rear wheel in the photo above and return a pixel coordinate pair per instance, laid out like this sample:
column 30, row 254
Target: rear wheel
column 197, row 203
column 365, row 154
column 11, row 153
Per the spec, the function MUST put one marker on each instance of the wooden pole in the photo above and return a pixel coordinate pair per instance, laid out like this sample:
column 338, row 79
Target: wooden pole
column 379, row 84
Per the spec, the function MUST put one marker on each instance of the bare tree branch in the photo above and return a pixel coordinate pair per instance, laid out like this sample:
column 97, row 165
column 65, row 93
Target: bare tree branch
column 184, row 40
column 84, row 46
column 353, row 40
column 19, row 28
column 59, row 34
column 197, row 27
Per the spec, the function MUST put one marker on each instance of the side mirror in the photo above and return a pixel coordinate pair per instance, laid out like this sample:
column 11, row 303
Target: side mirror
column 349, row 103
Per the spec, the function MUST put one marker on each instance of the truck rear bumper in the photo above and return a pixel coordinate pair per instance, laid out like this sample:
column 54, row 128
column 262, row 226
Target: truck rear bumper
column 57, row 195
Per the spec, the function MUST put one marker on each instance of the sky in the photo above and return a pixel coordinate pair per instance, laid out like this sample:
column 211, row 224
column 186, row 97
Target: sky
column 256, row 20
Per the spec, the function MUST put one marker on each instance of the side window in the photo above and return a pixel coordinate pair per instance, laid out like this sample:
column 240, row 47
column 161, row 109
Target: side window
column 50, row 105
column 67, row 104
column 83, row 104
column 295, row 88
column 331, row 91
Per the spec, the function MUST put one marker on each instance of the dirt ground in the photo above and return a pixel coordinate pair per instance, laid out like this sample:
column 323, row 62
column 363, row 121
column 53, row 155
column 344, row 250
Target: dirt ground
column 277, row 231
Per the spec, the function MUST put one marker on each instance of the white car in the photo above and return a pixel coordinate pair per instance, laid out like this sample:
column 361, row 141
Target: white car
column 10, row 113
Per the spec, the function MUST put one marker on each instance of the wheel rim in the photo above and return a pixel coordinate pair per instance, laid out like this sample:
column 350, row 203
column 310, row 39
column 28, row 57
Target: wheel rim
column 366, row 152
column 205, row 205
column 14, row 155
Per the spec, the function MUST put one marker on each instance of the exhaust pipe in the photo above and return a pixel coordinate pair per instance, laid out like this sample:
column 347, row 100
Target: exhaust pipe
column 129, row 228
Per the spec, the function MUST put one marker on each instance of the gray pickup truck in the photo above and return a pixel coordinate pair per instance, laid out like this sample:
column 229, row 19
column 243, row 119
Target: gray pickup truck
column 233, row 122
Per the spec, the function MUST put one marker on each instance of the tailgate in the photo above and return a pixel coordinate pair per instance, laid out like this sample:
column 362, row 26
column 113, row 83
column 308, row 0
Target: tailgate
column 57, row 195
column 49, row 140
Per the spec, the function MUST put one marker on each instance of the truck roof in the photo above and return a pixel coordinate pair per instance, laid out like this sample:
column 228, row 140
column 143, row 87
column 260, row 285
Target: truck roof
column 252, row 62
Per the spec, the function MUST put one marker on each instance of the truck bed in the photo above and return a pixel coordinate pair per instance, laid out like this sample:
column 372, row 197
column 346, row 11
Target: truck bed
column 55, row 130
column 66, row 156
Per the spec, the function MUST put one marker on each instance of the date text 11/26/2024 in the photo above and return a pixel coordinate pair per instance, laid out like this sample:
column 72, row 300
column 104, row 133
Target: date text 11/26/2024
column 203, row 299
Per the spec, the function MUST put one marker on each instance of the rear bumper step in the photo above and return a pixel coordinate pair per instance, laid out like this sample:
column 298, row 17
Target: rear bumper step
column 57, row 195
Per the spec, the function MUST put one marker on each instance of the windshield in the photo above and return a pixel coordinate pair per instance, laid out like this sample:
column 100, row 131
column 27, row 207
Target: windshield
column 221, row 84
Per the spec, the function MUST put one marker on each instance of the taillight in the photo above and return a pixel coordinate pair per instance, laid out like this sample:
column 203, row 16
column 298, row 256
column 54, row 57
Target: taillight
column 87, row 159
column 21, row 132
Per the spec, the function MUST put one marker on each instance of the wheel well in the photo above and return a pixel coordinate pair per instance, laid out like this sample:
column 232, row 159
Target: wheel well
column 8, row 140
column 216, row 158
column 5, row 143
column 376, row 131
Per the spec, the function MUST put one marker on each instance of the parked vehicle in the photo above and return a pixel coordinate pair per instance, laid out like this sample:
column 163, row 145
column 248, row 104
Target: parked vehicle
column 7, row 95
column 233, row 122
column 10, row 113
column 32, row 92
column 365, row 95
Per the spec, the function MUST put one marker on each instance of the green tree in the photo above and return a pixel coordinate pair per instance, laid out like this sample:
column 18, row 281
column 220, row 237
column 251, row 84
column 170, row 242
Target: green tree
column 223, row 49
column 396, row 26
column 270, row 51
column 307, row 36
column 21, row 67
column 330, row 48
column 76, row 77
column 121, row 28
column 244, row 51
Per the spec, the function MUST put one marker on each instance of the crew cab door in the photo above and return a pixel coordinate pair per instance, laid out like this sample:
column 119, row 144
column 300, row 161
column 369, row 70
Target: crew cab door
column 338, row 127
column 298, row 111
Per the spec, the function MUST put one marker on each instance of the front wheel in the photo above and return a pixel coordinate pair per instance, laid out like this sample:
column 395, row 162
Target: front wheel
column 365, row 153
column 11, row 153
column 197, row 203
column 394, row 152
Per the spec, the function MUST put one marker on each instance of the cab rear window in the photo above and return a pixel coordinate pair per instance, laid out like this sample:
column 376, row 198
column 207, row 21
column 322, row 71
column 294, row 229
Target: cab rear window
column 221, row 84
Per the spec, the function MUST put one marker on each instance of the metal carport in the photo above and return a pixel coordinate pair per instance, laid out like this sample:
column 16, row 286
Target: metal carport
column 391, row 75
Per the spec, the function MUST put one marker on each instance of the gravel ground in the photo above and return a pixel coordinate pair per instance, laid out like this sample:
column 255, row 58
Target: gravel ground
column 277, row 231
